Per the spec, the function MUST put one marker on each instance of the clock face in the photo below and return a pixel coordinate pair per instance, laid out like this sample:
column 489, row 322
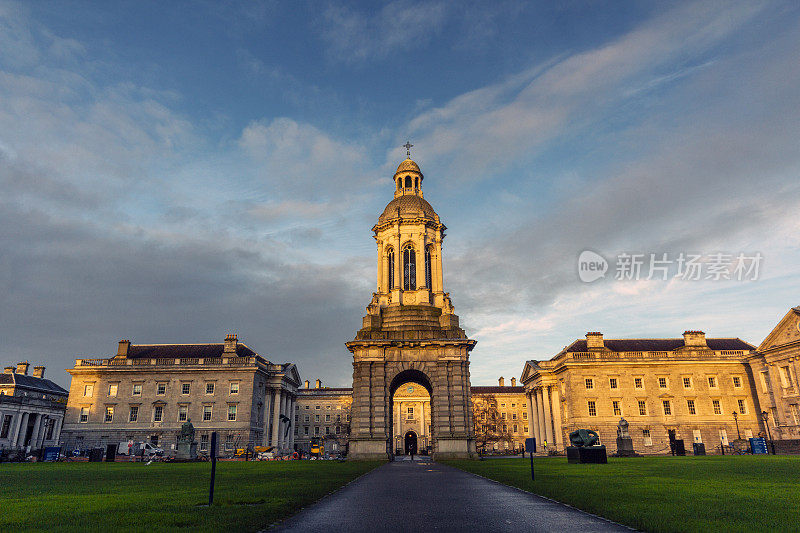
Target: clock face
column 410, row 390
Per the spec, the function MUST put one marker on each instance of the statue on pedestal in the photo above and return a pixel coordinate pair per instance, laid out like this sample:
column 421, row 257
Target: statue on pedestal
column 624, row 441
column 187, row 447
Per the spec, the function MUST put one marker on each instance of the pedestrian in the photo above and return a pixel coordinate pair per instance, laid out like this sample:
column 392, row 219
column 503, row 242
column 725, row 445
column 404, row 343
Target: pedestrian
column 544, row 446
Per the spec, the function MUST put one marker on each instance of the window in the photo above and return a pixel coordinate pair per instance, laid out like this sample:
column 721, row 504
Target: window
column 210, row 388
column 206, row 413
column 84, row 415
column 50, row 426
column 513, row 416
column 662, row 383
column 503, row 416
column 589, row 383
column 338, row 430
column 764, row 382
column 723, row 437
column 203, row 443
column 786, row 377
column 638, row 383
column 690, row 404
column 697, row 436
column 428, row 277
column 327, row 418
column 408, row 182
column 133, row 414
column 317, row 407
column 737, row 382
column 306, row 418
column 409, row 268
column 667, row 407
column 137, row 389
column 305, row 430
column 109, row 414
column 316, row 418
column 712, row 382
column 183, row 413
column 112, row 389
column 6, row 427
column 327, row 430
column 158, row 413
column 410, row 413
column 88, row 389
column 525, row 429
column 316, row 430
column 185, row 388
column 161, row 389
column 615, row 408
column 648, row 440
column 687, row 383
column 642, row 408
column 229, row 441
column 231, row 413
column 795, row 413
column 390, row 264
column 717, row 407
column 515, row 428
column 505, row 428
column 742, row 407
column 612, row 383
column 524, row 415
column 592, row 408
column 234, row 387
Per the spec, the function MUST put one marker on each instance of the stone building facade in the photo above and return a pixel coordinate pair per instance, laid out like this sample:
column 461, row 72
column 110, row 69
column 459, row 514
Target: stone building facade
column 501, row 417
column 776, row 367
column 410, row 332
column 690, row 388
column 147, row 391
column 31, row 409
column 323, row 412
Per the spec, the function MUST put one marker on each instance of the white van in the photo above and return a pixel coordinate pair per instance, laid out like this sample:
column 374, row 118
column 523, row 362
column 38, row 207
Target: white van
column 144, row 448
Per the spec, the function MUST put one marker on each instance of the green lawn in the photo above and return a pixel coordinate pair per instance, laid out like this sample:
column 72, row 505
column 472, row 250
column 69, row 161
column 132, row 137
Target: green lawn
column 713, row 493
column 136, row 497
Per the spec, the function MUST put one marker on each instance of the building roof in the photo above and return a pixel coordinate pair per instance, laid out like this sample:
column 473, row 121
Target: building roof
column 23, row 381
column 408, row 165
column 172, row 351
column 659, row 345
column 497, row 389
column 407, row 206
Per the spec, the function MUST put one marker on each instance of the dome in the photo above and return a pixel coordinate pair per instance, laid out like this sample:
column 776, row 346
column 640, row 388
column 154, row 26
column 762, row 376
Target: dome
column 407, row 206
column 408, row 165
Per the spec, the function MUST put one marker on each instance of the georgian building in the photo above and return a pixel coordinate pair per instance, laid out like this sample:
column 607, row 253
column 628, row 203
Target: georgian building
column 501, row 417
column 322, row 412
column 31, row 409
column 147, row 391
column 776, row 367
column 690, row 388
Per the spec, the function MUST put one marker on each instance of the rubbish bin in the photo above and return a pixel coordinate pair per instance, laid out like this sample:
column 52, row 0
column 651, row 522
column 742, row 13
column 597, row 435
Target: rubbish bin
column 95, row 455
column 111, row 453
column 699, row 448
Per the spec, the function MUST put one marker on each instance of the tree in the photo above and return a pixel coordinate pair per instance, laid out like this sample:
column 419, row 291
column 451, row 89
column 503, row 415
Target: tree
column 490, row 427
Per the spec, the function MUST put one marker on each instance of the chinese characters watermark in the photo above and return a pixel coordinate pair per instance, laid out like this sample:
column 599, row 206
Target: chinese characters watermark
column 663, row 266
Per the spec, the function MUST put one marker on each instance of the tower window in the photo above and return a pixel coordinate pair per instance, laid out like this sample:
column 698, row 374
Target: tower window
column 416, row 183
column 399, row 183
column 408, row 182
column 409, row 269
column 428, row 283
column 390, row 261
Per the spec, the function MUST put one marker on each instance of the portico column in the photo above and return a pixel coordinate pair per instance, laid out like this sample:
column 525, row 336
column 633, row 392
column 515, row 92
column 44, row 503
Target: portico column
column 398, row 262
column 17, row 428
column 540, row 405
column 559, row 432
column 276, row 416
column 265, row 419
column 57, row 430
column 282, row 426
column 438, row 282
column 537, row 418
column 422, row 417
column 548, row 420
column 380, row 266
column 35, row 432
column 292, row 410
column 531, row 421
column 23, row 428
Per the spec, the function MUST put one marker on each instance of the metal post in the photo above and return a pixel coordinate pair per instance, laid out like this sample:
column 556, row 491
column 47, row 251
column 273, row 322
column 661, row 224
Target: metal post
column 736, row 419
column 765, row 417
column 213, row 467
column 533, row 478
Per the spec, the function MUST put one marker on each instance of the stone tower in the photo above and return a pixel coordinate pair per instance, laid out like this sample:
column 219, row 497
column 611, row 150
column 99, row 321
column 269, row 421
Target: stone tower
column 410, row 332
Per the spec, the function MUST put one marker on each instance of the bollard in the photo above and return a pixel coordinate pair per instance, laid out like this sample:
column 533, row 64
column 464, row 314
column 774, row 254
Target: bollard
column 213, row 467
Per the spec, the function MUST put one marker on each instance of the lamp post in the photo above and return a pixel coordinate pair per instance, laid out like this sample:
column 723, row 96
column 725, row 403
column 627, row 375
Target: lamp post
column 765, row 418
column 736, row 419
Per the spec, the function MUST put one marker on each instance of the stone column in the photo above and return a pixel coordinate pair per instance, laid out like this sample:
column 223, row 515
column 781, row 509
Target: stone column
column 380, row 267
column 266, row 418
column 282, row 425
column 17, row 428
column 276, row 402
column 23, row 428
column 398, row 262
column 537, row 426
column 420, row 249
column 422, row 417
column 437, row 271
column 292, row 412
column 540, row 406
column 559, row 431
column 548, row 420
column 531, row 421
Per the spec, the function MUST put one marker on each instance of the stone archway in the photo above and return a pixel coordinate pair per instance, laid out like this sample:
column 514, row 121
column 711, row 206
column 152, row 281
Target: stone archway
column 398, row 435
column 410, row 441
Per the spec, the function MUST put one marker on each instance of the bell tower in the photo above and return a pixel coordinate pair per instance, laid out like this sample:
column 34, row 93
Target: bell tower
column 410, row 332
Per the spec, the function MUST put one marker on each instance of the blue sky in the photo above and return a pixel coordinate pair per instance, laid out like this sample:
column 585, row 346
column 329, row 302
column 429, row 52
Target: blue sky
column 174, row 172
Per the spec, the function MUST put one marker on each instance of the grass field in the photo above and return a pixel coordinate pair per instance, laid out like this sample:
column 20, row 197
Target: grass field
column 713, row 493
column 136, row 497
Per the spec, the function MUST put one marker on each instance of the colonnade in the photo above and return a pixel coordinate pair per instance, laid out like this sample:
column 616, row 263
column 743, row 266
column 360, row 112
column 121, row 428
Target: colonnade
column 544, row 413
column 279, row 402
column 21, row 422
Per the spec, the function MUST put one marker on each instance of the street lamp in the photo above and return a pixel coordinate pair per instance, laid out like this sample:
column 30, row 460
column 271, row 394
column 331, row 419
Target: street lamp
column 765, row 418
column 736, row 419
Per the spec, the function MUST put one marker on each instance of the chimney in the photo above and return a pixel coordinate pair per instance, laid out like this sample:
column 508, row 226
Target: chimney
column 513, row 382
column 501, row 381
column 122, row 350
column 318, row 384
column 22, row 368
column 8, row 370
column 38, row 371
column 230, row 343
column 696, row 339
column 594, row 339
column 308, row 385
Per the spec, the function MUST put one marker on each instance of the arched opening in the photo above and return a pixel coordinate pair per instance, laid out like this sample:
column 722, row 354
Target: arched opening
column 428, row 276
column 411, row 418
column 408, row 182
column 409, row 268
column 390, row 266
column 416, row 182
column 399, row 183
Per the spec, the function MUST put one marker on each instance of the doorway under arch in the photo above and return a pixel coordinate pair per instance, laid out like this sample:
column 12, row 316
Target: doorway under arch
column 411, row 443
column 410, row 405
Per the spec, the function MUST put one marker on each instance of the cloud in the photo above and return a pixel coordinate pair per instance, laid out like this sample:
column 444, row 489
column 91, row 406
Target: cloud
column 355, row 37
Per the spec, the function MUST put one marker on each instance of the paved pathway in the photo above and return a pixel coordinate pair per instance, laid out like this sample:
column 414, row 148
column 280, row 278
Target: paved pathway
column 424, row 496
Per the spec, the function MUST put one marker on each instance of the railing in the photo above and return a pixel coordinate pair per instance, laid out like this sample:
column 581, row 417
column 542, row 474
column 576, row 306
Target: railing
column 693, row 354
column 163, row 361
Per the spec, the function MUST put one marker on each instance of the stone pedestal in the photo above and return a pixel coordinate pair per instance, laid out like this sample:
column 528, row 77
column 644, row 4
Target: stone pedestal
column 186, row 451
column 587, row 454
column 625, row 447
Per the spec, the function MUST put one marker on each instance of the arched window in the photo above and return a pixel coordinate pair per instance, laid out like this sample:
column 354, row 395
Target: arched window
column 428, row 267
column 408, row 182
column 399, row 183
column 416, row 182
column 409, row 268
column 390, row 264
